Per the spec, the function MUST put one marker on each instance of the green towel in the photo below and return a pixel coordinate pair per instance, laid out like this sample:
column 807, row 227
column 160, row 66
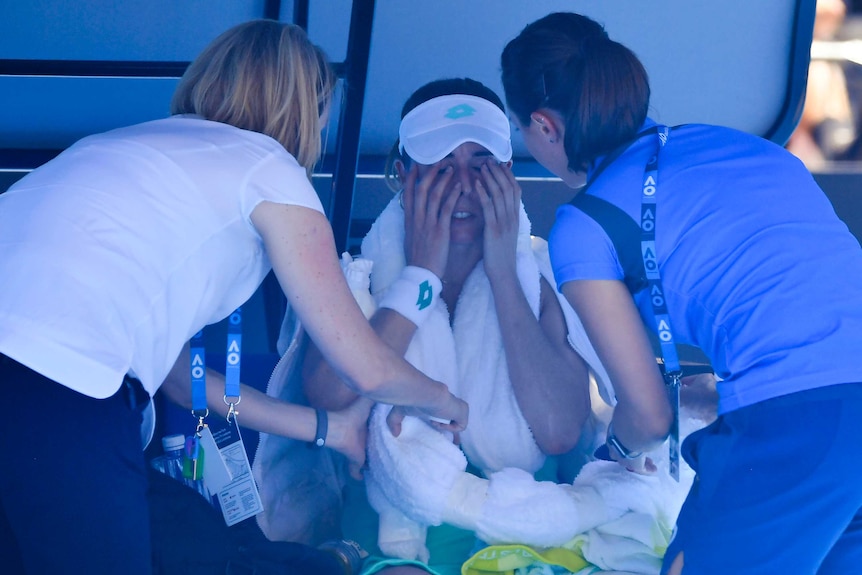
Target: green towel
column 504, row 559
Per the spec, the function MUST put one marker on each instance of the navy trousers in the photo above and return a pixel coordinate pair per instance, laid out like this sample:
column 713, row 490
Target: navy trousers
column 73, row 481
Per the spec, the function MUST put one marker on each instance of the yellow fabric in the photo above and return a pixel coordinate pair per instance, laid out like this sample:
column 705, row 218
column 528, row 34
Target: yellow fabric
column 504, row 559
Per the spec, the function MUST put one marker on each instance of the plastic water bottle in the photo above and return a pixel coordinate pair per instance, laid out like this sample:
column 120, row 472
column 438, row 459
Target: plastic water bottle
column 171, row 463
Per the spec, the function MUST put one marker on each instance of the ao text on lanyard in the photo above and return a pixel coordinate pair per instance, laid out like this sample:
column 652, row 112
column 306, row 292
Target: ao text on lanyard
column 194, row 461
column 655, row 292
column 233, row 360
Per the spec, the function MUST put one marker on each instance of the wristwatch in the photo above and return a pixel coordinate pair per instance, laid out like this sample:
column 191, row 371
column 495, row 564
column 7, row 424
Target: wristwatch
column 612, row 441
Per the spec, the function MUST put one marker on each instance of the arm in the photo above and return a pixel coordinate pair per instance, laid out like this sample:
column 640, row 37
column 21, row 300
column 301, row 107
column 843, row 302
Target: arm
column 258, row 411
column 642, row 417
column 699, row 396
column 322, row 385
column 550, row 380
column 300, row 245
column 427, row 216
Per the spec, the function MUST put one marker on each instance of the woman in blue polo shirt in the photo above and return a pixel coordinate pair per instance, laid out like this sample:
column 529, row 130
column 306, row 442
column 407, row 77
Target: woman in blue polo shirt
column 753, row 267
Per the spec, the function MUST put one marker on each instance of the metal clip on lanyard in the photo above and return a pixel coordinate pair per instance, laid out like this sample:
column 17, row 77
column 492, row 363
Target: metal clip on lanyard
column 232, row 364
column 672, row 370
column 193, row 461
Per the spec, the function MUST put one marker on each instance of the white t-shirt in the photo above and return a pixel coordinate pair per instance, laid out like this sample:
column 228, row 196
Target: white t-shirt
column 119, row 250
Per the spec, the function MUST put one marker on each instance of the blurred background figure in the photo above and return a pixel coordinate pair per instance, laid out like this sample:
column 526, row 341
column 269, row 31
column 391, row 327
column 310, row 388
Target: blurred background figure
column 827, row 129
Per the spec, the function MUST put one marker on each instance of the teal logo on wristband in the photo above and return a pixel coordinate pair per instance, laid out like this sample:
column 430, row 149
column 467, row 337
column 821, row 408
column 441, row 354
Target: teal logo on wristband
column 426, row 294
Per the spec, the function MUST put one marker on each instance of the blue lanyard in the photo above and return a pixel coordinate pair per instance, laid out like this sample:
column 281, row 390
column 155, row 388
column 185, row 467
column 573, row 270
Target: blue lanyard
column 656, row 294
column 234, row 354
column 232, row 370
column 199, row 376
column 655, row 290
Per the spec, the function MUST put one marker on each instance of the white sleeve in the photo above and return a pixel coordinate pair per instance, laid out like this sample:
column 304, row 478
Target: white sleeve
column 278, row 178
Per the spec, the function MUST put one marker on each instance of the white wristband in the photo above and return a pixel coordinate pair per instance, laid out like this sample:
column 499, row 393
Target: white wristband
column 414, row 294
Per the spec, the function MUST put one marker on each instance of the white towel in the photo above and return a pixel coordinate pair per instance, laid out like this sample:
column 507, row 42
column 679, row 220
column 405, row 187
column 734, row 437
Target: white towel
column 498, row 436
column 621, row 521
column 419, row 475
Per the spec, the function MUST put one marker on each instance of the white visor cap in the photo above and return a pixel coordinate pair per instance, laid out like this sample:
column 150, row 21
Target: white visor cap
column 431, row 130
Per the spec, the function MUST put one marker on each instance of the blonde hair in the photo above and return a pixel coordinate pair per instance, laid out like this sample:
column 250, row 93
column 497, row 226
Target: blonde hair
column 264, row 76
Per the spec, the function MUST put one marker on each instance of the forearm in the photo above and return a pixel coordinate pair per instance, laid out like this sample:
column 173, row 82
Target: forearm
column 641, row 425
column 550, row 381
column 642, row 416
column 371, row 368
column 632, row 433
column 259, row 411
column 263, row 413
column 641, row 421
column 300, row 245
column 323, row 386
column 267, row 414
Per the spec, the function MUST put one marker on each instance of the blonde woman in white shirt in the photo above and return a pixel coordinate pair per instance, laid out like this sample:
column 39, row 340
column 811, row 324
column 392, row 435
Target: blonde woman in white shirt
column 113, row 255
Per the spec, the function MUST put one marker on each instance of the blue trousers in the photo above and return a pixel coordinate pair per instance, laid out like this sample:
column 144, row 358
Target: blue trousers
column 778, row 488
column 73, row 479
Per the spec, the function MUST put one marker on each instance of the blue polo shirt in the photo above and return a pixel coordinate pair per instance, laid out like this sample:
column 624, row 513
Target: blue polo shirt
column 758, row 270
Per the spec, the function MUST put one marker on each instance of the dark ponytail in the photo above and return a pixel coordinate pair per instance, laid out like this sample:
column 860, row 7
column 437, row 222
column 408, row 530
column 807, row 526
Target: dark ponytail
column 567, row 63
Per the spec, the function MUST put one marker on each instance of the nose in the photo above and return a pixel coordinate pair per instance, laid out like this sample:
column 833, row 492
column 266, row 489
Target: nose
column 467, row 177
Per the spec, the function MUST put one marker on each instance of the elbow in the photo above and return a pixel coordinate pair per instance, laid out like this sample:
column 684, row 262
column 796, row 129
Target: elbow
column 331, row 395
column 359, row 386
column 562, row 434
column 559, row 439
column 560, row 444
column 324, row 389
column 364, row 387
column 372, row 378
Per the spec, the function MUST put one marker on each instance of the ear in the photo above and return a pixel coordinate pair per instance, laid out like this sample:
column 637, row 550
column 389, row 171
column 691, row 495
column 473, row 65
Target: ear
column 400, row 171
column 547, row 124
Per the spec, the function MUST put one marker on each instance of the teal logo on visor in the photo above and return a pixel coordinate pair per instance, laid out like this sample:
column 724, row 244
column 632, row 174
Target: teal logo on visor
column 460, row 111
